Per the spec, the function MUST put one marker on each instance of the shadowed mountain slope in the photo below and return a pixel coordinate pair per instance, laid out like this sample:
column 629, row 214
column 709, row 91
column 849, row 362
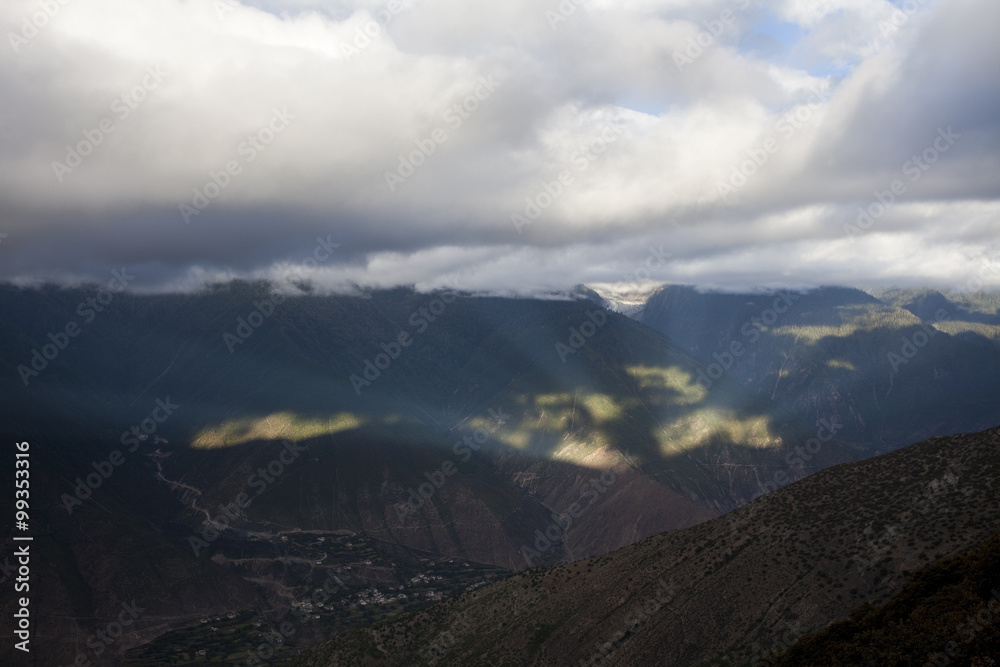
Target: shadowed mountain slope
column 895, row 366
column 568, row 406
column 724, row 592
column 948, row 614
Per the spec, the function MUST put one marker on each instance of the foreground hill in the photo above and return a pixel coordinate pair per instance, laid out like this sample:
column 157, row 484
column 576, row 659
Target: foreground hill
column 948, row 613
column 729, row 591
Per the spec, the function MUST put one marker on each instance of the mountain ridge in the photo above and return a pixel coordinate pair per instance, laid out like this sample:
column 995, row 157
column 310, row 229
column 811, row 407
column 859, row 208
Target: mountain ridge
column 739, row 582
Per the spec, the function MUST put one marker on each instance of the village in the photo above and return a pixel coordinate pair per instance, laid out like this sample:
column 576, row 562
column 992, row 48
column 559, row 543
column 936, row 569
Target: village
column 332, row 582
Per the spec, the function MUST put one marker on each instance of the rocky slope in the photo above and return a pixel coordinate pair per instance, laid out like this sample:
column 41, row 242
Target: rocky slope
column 729, row 591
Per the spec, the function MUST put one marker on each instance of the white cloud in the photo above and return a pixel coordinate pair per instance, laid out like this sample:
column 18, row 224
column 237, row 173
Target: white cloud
column 676, row 133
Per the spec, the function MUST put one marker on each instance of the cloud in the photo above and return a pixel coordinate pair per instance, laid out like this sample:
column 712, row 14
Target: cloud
column 492, row 141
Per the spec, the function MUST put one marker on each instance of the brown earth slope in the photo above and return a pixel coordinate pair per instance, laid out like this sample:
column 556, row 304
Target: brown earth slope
column 723, row 592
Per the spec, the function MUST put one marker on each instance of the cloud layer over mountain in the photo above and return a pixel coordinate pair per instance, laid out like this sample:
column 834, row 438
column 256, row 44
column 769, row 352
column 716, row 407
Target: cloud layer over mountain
column 516, row 146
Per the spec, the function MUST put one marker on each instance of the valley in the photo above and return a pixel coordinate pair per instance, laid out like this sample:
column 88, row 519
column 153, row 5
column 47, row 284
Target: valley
column 504, row 438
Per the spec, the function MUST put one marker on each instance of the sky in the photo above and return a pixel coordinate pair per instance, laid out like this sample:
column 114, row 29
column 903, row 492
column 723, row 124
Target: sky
column 525, row 146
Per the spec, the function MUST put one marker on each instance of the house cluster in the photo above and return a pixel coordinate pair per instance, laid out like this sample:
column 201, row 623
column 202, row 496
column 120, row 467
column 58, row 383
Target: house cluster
column 229, row 615
column 375, row 596
column 309, row 607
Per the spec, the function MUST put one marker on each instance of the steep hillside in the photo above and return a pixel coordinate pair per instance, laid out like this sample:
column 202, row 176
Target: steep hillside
column 948, row 613
column 729, row 591
column 894, row 366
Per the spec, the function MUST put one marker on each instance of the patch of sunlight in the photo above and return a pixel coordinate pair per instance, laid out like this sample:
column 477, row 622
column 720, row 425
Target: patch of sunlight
column 553, row 400
column 276, row 426
column 702, row 426
column 518, row 438
column 840, row 363
column 987, row 303
column 991, row 331
column 672, row 378
column 552, row 413
column 557, row 413
column 588, row 455
column 601, row 407
column 853, row 319
column 548, row 416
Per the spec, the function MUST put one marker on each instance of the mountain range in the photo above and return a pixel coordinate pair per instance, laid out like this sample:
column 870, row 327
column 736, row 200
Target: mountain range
column 232, row 451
